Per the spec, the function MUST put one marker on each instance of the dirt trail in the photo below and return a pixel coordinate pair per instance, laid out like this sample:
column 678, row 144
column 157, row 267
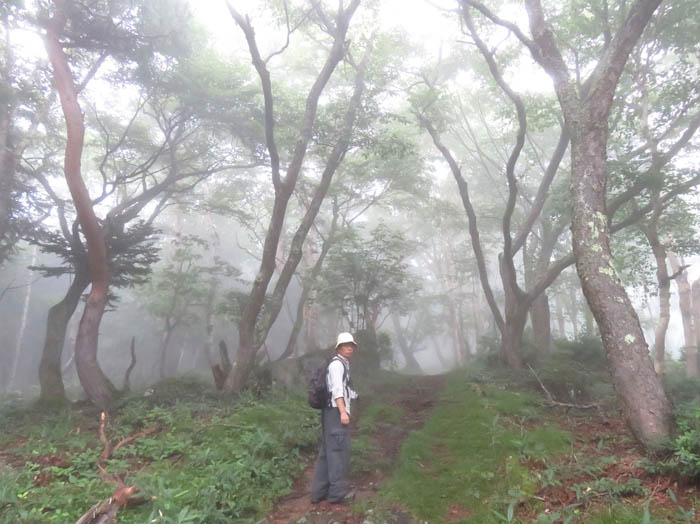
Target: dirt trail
column 416, row 397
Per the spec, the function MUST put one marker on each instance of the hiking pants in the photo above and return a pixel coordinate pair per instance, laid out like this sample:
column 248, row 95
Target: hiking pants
column 333, row 462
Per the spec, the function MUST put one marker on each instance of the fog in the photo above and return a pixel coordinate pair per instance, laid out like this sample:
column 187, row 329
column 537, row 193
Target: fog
column 406, row 195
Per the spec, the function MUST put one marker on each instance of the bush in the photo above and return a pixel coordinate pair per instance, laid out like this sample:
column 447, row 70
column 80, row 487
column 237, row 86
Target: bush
column 686, row 445
column 680, row 388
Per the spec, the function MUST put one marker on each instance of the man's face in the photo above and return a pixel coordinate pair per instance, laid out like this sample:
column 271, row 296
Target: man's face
column 346, row 350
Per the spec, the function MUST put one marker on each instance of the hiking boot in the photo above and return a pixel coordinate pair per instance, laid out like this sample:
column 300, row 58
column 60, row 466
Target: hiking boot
column 346, row 499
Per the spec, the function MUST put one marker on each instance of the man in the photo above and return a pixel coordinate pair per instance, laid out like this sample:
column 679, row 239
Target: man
column 333, row 463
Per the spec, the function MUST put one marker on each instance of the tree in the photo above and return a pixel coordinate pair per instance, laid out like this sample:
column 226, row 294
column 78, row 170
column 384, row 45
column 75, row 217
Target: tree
column 160, row 152
column 586, row 109
column 251, row 332
column 518, row 301
column 24, row 94
column 364, row 277
column 97, row 387
column 180, row 287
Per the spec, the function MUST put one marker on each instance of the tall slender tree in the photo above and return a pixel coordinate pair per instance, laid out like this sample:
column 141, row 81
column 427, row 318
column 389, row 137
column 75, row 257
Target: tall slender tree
column 252, row 331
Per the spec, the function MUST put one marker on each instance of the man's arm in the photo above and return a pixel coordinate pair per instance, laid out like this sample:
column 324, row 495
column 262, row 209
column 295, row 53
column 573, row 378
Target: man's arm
column 344, row 417
column 336, row 370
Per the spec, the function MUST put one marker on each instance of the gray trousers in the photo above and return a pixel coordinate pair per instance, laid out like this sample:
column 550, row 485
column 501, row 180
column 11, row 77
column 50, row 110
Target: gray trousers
column 333, row 462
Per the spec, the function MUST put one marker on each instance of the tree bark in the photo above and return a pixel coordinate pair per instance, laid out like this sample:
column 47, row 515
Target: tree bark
column 541, row 324
column 96, row 385
column 685, row 305
column 50, row 375
column 132, row 365
column 645, row 404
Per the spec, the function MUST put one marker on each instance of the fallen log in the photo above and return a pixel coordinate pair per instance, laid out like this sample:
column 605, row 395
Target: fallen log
column 105, row 511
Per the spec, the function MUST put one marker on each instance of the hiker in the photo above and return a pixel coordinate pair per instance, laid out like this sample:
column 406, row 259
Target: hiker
column 333, row 463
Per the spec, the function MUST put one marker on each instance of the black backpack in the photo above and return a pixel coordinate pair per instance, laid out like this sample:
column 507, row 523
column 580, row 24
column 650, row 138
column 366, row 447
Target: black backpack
column 318, row 395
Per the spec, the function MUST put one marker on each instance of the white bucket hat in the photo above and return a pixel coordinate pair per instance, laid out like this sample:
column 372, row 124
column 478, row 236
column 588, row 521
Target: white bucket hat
column 345, row 338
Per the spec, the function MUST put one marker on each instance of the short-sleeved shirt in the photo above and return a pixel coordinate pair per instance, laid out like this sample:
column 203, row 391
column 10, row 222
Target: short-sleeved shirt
column 338, row 387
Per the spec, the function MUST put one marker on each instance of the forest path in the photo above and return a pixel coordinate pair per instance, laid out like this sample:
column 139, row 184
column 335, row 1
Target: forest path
column 416, row 397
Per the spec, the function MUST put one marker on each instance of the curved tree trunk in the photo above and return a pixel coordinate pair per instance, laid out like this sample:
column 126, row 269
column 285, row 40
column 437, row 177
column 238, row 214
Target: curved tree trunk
column 97, row 387
column 586, row 113
column 50, row 376
column 685, row 305
column 252, row 329
column 644, row 401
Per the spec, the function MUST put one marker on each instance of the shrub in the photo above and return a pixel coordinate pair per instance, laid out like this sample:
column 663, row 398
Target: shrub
column 686, row 445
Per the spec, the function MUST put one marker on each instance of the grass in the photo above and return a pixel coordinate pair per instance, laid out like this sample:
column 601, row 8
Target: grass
column 466, row 459
column 212, row 460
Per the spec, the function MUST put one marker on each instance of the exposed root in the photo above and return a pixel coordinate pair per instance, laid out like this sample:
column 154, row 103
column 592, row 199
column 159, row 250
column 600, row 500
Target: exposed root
column 105, row 512
column 552, row 402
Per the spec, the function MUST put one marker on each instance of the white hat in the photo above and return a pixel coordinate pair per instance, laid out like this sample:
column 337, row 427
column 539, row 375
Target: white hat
column 345, row 338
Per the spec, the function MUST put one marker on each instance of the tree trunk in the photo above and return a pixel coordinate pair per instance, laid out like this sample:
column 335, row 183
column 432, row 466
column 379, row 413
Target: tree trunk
column 664, row 283
column 541, row 324
column 586, row 113
column 209, row 322
column 163, row 350
column 572, row 306
column 685, row 305
column 132, row 365
column 412, row 365
column 8, row 162
column 644, row 401
column 695, row 290
column 50, row 375
column 252, row 329
column 516, row 310
column 308, row 288
column 22, row 326
column 511, row 337
column 98, row 389
column 561, row 320
column 588, row 319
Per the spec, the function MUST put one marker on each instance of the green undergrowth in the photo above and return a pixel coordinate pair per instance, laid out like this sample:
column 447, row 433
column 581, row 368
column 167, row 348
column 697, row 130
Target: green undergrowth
column 211, row 459
column 467, row 458
column 376, row 422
